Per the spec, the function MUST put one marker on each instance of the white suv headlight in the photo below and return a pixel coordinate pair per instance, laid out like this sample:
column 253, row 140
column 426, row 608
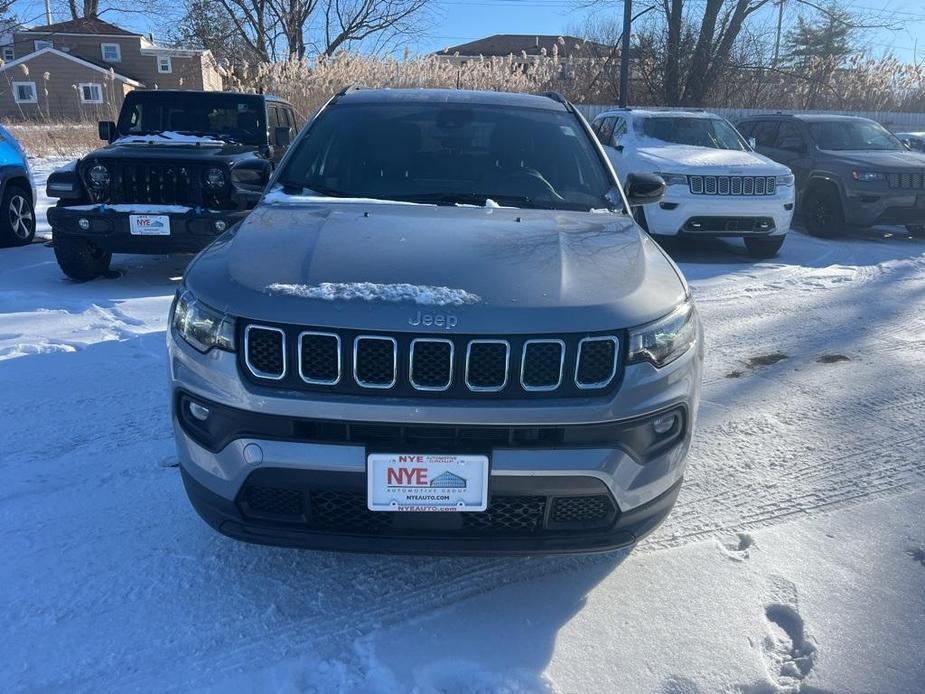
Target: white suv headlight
column 785, row 180
column 201, row 326
column 666, row 339
column 673, row 179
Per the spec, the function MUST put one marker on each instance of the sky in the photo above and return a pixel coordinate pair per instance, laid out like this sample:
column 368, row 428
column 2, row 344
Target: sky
column 459, row 21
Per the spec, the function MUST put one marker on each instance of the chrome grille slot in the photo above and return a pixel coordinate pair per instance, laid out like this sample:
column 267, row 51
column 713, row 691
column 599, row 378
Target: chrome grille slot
column 596, row 364
column 541, row 365
column 264, row 351
column 320, row 358
column 487, row 365
column 431, row 364
column 375, row 361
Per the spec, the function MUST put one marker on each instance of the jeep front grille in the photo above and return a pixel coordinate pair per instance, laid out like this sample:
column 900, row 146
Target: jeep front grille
column 430, row 365
column 907, row 181
column 158, row 183
column 732, row 185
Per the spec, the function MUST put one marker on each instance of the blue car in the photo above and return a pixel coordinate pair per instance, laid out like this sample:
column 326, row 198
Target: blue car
column 17, row 193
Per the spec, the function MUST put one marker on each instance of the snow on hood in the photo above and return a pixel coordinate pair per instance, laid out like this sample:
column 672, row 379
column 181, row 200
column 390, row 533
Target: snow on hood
column 674, row 158
column 371, row 291
column 277, row 196
column 168, row 137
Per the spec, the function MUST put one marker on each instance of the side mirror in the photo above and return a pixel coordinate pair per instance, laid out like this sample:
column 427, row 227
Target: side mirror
column 644, row 189
column 107, row 130
column 753, row 143
column 282, row 135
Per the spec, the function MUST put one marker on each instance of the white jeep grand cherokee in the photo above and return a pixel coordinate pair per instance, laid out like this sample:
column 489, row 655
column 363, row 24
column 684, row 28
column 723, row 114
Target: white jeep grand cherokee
column 716, row 184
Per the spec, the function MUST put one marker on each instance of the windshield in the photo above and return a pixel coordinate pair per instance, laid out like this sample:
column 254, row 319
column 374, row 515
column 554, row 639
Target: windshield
column 696, row 132
column 853, row 135
column 233, row 117
column 451, row 154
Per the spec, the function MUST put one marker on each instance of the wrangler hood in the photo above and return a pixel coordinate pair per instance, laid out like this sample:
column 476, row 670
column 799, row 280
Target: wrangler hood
column 388, row 266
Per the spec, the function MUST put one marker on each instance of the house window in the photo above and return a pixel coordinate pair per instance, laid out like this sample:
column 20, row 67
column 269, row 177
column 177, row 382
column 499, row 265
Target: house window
column 112, row 52
column 24, row 93
column 39, row 45
column 91, row 93
column 7, row 52
column 163, row 64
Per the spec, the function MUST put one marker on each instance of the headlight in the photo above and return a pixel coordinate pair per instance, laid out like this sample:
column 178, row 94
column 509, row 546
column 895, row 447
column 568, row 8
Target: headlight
column 98, row 177
column 671, row 179
column 201, row 326
column 784, row 180
column 215, row 178
column 666, row 339
column 868, row 176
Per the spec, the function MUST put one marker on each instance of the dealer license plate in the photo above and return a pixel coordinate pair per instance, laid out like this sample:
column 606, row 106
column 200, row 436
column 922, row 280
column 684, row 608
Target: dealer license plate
column 426, row 482
column 149, row 224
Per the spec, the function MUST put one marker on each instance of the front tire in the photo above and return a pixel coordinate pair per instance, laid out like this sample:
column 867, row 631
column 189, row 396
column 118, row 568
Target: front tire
column 823, row 214
column 766, row 247
column 17, row 217
column 79, row 259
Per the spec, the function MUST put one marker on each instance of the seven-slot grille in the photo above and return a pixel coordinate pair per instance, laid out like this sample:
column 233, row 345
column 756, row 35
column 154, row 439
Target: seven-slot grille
column 156, row 183
column 908, row 181
column 428, row 364
column 732, row 185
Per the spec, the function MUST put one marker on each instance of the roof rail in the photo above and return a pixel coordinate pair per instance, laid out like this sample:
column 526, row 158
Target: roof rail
column 351, row 88
column 556, row 96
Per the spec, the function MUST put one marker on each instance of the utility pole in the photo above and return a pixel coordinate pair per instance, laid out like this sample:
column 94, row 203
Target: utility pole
column 48, row 18
column 625, row 53
column 780, row 23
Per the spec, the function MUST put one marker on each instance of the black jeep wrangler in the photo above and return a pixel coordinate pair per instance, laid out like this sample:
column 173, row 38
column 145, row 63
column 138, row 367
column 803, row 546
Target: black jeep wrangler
column 180, row 168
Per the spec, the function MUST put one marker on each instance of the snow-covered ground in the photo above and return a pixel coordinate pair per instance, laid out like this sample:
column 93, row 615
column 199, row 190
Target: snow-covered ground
column 793, row 562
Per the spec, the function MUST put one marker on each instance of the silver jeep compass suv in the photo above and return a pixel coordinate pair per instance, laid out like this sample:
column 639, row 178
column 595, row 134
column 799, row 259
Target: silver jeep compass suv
column 439, row 331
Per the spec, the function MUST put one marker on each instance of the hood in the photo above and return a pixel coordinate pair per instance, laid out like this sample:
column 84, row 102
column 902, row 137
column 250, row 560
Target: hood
column 891, row 160
column 159, row 149
column 708, row 161
column 375, row 266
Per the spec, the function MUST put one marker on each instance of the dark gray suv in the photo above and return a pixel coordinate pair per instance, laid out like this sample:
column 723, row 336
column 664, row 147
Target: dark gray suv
column 849, row 170
column 439, row 331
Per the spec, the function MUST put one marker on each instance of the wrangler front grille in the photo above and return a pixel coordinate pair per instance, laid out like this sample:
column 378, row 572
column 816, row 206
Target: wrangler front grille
column 430, row 365
column 155, row 182
column 732, row 185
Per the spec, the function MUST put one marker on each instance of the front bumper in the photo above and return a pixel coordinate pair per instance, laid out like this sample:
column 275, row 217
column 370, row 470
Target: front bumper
column 190, row 230
column 866, row 207
column 302, row 434
column 727, row 214
column 424, row 533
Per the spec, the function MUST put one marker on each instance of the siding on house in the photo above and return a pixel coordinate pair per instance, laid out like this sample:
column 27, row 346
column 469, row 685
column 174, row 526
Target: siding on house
column 57, row 97
column 139, row 61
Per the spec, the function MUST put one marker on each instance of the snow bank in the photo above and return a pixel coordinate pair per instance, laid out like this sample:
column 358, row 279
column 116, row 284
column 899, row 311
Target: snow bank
column 370, row 291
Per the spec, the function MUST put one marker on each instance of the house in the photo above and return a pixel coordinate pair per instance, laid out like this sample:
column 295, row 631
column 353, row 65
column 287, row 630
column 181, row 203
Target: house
column 524, row 48
column 82, row 69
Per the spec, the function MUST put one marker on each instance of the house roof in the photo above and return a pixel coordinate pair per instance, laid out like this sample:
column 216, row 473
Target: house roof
column 84, row 25
column 67, row 56
column 532, row 44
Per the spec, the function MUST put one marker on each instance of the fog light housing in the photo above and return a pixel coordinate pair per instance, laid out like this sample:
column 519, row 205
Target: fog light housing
column 220, row 225
column 664, row 424
column 83, row 223
column 200, row 412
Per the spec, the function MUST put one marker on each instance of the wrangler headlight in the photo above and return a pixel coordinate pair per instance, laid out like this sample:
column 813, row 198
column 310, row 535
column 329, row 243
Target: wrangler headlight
column 98, row 177
column 201, row 326
column 215, row 178
column 666, row 339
